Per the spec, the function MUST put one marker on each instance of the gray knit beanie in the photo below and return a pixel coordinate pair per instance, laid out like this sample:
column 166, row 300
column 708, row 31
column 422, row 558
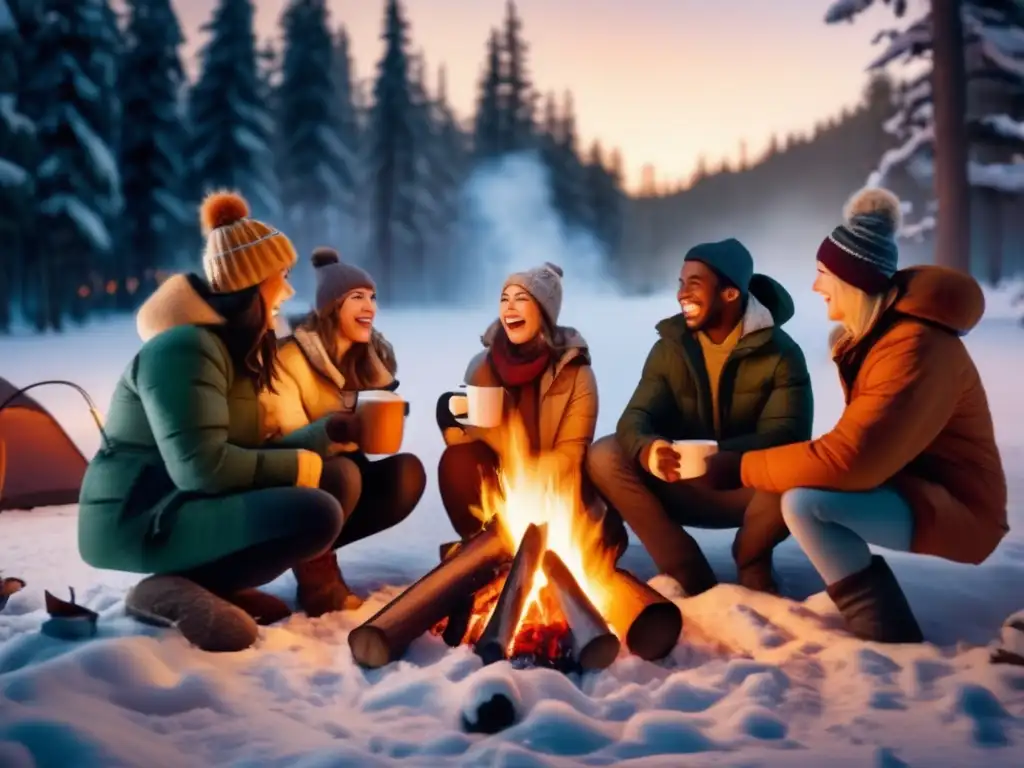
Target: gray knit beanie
column 334, row 278
column 544, row 284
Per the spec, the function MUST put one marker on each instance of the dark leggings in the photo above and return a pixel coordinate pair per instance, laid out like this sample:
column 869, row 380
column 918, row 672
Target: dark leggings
column 380, row 495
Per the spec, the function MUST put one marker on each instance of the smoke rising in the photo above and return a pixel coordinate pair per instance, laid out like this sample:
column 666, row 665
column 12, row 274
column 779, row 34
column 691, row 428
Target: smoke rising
column 511, row 224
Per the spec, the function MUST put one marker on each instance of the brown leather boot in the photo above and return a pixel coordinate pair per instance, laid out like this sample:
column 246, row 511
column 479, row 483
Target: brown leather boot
column 321, row 587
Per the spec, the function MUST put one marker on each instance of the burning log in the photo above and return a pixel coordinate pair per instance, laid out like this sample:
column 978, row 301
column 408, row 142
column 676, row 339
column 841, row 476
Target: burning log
column 499, row 633
column 594, row 644
column 385, row 636
column 649, row 622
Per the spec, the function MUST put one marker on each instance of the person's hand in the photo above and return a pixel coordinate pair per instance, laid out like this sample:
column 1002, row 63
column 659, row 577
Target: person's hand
column 343, row 427
column 723, row 470
column 662, row 461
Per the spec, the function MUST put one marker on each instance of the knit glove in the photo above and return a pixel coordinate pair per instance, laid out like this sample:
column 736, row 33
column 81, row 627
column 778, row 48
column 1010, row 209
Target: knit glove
column 343, row 428
column 723, row 473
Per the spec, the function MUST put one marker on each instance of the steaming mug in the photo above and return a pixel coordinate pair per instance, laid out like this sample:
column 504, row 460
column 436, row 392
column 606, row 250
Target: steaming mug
column 480, row 406
column 381, row 421
column 692, row 455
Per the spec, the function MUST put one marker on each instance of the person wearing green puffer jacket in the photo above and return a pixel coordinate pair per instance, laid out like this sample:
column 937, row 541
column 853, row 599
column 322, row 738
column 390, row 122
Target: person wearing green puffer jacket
column 187, row 486
column 723, row 369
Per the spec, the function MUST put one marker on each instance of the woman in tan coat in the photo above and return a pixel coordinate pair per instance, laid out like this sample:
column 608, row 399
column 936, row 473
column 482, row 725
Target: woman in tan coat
column 333, row 355
column 912, row 464
column 550, row 389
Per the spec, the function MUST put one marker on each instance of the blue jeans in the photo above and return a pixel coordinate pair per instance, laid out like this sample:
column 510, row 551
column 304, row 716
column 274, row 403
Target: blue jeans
column 834, row 528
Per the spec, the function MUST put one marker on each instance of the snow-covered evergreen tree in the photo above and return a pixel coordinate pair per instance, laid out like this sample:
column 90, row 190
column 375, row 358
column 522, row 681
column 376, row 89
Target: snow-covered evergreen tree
column 153, row 144
column 450, row 173
column 517, row 96
column 231, row 127
column 487, row 133
column 17, row 161
column 351, row 239
column 392, row 161
column 994, row 51
column 313, row 164
column 69, row 84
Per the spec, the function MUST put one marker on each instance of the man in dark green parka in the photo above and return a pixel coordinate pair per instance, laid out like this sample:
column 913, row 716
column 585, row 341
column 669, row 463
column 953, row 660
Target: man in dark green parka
column 722, row 369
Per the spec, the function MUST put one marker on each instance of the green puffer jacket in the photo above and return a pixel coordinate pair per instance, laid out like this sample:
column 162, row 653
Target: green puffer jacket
column 765, row 394
column 183, row 430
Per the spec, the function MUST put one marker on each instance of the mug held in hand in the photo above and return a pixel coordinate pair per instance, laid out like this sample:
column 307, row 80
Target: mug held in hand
column 480, row 406
column 381, row 415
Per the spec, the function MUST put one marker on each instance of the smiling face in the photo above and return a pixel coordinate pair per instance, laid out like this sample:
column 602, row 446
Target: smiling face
column 275, row 291
column 356, row 315
column 701, row 295
column 830, row 288
column 520, row 315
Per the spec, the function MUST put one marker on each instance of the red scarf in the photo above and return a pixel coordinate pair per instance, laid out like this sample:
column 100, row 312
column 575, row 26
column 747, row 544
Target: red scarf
column 519, row 365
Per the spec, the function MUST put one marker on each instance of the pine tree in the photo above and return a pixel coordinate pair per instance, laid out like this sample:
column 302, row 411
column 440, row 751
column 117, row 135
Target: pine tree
column 314, row 163
column 517, row 98
column 570, row 199
column 605, row 199
column 487, row 134
column 231, row 129
column 78, row 180
column 392, row 159
column 17, row 161
column 349, row 133
column 153, row 144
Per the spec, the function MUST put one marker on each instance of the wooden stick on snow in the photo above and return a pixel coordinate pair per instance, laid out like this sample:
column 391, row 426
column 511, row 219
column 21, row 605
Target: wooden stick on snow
column 594, row 644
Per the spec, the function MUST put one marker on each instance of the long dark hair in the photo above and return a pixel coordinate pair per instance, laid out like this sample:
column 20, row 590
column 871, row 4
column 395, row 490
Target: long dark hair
column 252, row 347
column 356, row 365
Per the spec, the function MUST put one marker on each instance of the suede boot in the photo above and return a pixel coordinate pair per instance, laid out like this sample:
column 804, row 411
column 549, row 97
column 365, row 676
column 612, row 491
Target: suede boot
column 874, row 606
column 263, row 607
column 209, row 622
column 322, row 588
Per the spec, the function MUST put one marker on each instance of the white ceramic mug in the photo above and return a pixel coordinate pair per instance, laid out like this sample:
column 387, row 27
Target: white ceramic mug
column 692, row 454
column 382, row 421
column 481, row 406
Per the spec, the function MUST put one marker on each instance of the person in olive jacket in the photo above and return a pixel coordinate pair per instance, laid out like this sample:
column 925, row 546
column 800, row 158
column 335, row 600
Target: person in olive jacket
column 186, row 486
column 722, row 369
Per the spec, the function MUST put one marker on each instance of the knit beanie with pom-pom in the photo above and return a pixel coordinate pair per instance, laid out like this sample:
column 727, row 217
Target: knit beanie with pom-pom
column 544, row 283
column 862, row 251
column 335, row 279
column 240, row 252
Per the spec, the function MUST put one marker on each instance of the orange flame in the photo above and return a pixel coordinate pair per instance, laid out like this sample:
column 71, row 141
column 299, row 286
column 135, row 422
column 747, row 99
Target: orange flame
column 540, row 491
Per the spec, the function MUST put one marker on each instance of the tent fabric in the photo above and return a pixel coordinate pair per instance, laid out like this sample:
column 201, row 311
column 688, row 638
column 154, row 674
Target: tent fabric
column 39, row 464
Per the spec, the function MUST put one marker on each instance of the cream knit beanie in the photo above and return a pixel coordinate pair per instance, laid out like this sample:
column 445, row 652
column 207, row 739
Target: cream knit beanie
column 240, row 252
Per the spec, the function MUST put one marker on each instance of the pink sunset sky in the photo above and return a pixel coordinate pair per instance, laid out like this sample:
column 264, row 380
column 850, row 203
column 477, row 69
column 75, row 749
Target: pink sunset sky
column 664, row 80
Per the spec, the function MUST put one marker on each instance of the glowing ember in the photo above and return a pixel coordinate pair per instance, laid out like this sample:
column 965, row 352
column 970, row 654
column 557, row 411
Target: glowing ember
column 543, row 492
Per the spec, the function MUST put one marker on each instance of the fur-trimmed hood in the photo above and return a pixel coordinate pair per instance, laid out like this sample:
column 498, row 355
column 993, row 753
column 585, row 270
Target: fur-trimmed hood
column 178, row 301
column 382, row 356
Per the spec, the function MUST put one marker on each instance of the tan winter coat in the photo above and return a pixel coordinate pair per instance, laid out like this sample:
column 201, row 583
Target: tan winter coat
column 567, row 401
column 309, row 386
column 916, row 418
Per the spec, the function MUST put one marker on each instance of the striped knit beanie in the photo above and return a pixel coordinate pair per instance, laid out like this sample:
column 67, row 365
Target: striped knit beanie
column 240, row 252
column 862, row 251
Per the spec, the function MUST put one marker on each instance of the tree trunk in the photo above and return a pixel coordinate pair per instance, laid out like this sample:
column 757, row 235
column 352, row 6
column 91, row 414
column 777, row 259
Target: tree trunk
column 949, row 96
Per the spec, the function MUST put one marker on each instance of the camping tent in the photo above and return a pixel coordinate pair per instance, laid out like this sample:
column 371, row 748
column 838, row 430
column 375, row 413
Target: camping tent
column 43, row 467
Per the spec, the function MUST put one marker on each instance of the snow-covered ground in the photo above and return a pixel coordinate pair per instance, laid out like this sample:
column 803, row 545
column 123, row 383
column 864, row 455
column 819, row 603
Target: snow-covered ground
column 755, row 680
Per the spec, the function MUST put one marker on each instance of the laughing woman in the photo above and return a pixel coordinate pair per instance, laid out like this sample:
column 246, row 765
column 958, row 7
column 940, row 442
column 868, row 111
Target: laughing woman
column 186, row 488
column 549, row 385
column 334, row 354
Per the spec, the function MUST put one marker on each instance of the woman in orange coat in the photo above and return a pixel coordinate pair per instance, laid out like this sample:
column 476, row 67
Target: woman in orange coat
column 912, row 464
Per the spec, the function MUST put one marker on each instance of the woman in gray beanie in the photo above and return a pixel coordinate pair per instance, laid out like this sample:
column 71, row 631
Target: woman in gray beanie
column 334, row 354
column 549, row 385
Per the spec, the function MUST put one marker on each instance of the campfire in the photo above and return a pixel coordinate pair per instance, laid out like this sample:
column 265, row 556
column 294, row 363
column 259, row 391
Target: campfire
column 536, row 586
